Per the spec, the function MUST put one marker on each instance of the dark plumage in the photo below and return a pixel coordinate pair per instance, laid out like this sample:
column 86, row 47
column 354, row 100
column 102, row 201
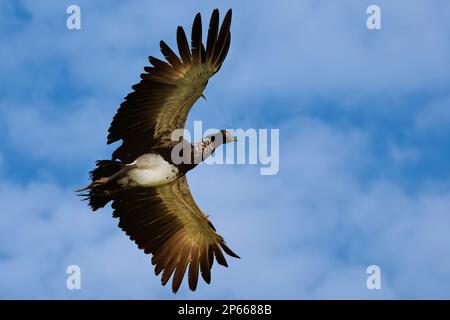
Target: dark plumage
column 149, row 192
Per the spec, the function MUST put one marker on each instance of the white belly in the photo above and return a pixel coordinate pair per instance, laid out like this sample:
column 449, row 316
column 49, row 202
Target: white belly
column 151, row 171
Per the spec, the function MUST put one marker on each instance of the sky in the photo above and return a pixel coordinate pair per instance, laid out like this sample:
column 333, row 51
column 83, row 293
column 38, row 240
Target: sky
column 364, row 120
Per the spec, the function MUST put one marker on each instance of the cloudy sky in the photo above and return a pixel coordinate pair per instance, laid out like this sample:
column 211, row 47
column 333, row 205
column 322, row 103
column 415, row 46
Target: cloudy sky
column 364, row 119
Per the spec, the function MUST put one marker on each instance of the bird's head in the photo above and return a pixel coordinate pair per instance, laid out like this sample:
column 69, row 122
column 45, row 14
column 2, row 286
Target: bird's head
column 221, row 137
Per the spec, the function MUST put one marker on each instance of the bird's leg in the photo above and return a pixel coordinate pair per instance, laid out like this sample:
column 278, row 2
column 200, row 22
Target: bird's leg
column 106, row 180
column 100, row 181
column 116, row 175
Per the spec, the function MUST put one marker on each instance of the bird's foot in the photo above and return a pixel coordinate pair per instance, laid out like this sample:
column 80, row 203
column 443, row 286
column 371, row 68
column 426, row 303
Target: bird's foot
column 99, row 182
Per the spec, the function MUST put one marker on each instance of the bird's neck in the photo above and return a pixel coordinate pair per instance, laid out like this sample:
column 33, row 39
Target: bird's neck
column 202, row 149
column 199, row 151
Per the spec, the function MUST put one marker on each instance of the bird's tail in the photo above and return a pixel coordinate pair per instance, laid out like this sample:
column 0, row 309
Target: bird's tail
column 103, row 186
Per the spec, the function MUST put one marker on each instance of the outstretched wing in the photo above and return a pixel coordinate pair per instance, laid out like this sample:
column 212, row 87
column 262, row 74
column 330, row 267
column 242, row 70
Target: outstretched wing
column 167, row 223
column 161, row 101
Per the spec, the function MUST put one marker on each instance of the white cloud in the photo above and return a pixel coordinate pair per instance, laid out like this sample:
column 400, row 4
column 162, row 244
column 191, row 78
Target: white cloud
column 324, row 48
column 401, row 155
column 434, row 117
column 65, row 137
column 310, row 48
column 308, row 232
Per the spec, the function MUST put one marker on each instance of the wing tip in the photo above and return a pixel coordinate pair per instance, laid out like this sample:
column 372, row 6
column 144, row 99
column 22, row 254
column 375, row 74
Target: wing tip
column 229, row 13
column 229, row 251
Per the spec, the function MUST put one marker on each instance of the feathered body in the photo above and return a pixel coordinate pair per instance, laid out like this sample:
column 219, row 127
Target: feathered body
column 144, row 179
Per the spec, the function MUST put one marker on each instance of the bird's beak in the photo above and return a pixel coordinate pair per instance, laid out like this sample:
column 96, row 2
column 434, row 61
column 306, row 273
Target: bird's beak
column 203, row 96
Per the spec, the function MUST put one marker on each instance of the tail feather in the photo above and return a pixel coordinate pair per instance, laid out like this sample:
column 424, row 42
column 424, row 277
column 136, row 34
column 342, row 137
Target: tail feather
column 105, row 168
column 100, row 191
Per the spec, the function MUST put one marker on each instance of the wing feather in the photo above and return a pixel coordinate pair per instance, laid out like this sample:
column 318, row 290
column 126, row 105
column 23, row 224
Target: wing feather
column 196, row 35
column 170, row 56
column 204, row 266
column 222, row 38
column 167, row 223
column 161, row 101
column 181, row 267
column 183, row 46
column 193, row 270
column 212, row 34
column 223, row 53
column 164, row 68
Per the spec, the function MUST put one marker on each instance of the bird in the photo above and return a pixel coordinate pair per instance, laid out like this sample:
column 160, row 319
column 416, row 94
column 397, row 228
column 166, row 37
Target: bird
column 145, row 181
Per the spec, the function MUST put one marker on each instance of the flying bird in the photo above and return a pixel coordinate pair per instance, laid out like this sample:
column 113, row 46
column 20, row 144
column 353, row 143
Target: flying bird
column 144, row 181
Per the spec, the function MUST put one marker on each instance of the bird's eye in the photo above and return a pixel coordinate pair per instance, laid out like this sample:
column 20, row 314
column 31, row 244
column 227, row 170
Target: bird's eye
column 213, row 138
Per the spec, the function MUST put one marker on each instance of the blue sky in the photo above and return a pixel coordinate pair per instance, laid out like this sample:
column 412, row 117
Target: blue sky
column 364, row 119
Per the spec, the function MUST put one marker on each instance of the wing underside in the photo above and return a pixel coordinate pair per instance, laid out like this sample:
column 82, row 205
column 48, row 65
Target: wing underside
column 167, row 223
column 161, row 101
